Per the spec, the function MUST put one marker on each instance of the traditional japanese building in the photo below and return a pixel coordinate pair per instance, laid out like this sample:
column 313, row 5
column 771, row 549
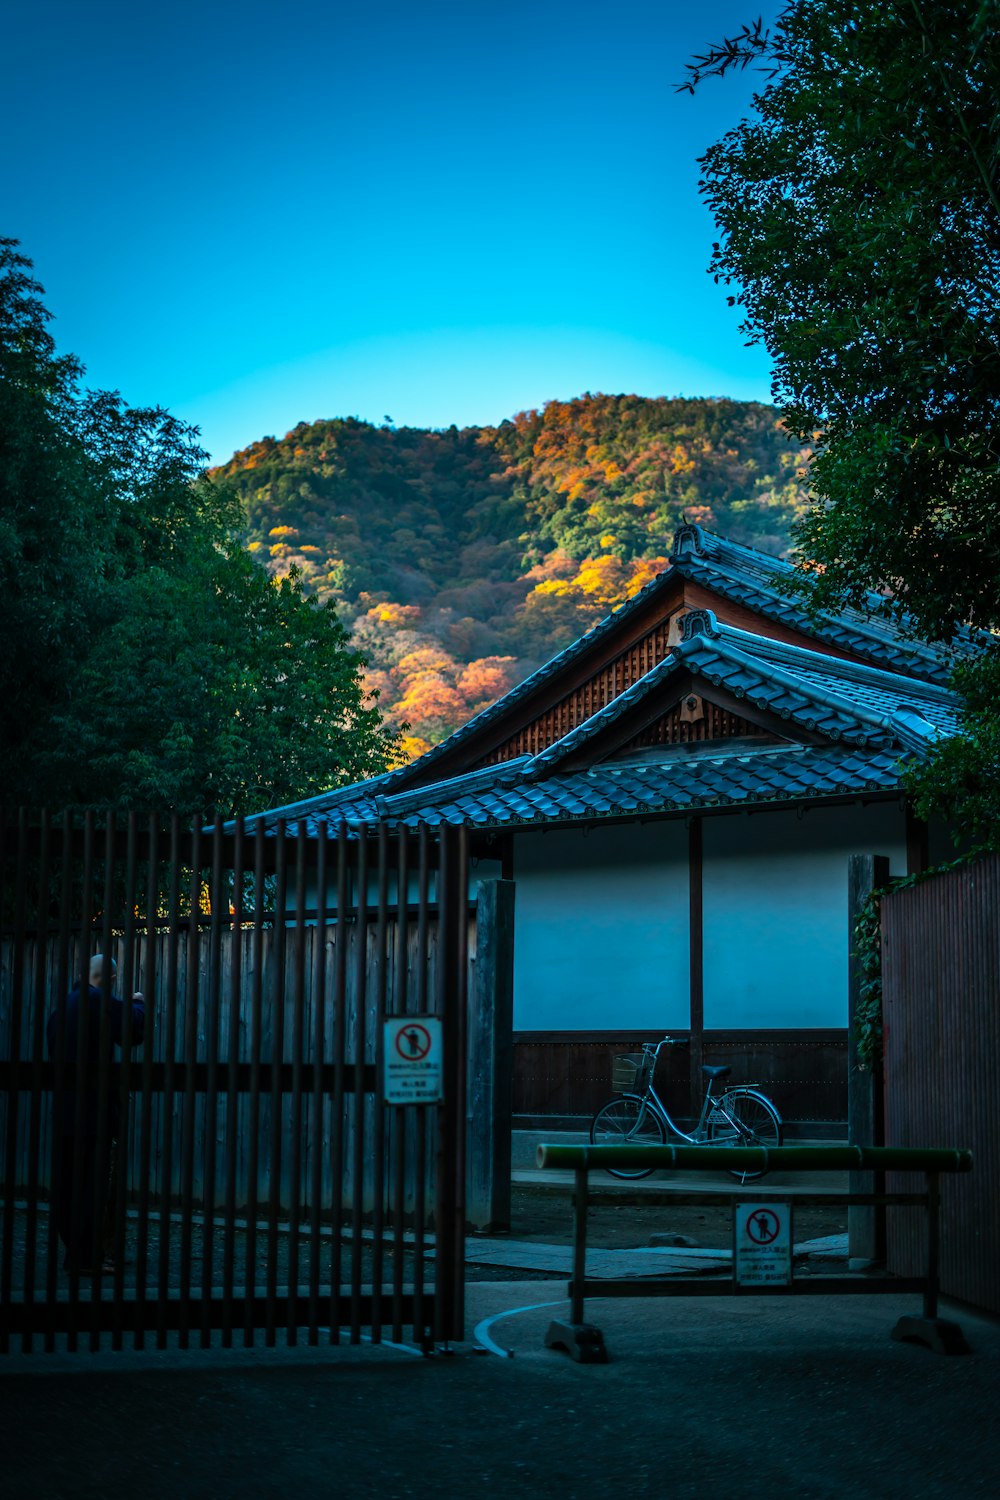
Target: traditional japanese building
column 675, row 797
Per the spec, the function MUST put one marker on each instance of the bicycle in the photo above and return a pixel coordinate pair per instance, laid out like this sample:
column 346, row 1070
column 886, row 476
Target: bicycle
column 742, row 1116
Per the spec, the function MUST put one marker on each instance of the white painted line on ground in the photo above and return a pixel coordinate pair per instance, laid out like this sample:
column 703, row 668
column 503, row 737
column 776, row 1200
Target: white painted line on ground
column 481, row 1331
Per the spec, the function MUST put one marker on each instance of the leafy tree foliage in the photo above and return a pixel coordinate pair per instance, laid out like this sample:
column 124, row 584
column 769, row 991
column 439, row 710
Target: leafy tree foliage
column 860, row 216
column 860, row 223
column 148, row 661
column 463, row 559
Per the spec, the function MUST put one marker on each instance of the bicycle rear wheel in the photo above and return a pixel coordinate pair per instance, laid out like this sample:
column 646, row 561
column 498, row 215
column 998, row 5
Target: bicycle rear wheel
column 627, row 1121
column 744, row 1117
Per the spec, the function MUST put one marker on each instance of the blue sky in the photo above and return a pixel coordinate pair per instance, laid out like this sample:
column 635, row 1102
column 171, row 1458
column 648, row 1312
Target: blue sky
column 260, row 213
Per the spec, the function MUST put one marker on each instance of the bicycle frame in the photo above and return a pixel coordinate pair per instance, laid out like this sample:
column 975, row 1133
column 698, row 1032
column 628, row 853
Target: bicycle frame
column 710, row 1102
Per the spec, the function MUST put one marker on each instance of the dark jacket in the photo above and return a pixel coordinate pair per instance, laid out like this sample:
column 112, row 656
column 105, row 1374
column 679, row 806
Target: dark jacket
column 80, row 1008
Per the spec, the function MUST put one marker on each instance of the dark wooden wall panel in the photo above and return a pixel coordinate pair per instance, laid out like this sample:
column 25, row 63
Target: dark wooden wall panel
column 563, row 1079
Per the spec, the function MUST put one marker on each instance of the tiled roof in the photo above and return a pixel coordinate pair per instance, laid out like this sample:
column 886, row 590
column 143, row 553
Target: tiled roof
column 878, row 712
column 845, row 701
column 745, row 576
column 872, row 719
column 778, row 590
column 677, row 781
column 763, row 583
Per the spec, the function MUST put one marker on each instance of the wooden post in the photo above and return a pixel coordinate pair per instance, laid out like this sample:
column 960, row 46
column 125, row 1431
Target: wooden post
column 696, row 947
column 491, row 1058
column 865, row 1105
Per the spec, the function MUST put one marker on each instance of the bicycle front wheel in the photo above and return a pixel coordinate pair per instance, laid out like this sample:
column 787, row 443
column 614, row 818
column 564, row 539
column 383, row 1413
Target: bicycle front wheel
column 627, row 1121
column 743, row 1117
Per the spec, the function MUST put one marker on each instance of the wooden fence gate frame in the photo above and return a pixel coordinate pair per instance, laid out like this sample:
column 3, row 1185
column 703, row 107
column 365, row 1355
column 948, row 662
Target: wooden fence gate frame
column 254, row 1122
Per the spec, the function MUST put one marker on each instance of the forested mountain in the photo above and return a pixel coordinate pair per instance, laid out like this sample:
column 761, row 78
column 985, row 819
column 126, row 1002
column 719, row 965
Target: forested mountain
column 462, row 559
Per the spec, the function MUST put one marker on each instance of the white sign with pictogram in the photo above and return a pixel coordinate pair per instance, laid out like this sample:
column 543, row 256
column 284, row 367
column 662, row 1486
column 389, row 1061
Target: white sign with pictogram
column 762, row 1243
column 414, row 1060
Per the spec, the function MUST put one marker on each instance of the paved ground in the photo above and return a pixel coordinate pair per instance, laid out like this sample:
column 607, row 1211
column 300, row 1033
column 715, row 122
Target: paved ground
column 799, row 1397
column 803, row 1398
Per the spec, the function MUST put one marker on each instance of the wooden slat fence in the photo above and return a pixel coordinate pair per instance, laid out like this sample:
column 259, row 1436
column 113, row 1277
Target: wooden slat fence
column 941, row 1005
column 214, row 1006
column 261, row 1180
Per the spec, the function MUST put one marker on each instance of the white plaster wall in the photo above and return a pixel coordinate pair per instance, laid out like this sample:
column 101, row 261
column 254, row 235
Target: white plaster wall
column 601, row 929
column 775, row 912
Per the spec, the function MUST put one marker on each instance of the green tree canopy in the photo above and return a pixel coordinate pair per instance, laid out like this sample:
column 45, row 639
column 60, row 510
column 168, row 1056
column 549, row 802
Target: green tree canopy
column 148, row 661
column 859, row 210
column 860, row 217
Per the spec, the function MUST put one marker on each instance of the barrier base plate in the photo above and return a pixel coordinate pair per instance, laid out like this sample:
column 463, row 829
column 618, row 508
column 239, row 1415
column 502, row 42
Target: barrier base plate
column 581, row 1341
column 937, row 1333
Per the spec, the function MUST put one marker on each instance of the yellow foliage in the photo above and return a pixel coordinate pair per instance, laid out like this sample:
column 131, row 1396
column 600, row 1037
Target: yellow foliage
column 253, row 546
column 412, row 746
column 283, row 531
column 425, row 659
column 558, row 586
column 280, row 549
column 396, row 614
column 643, row 572
column 600, row 580
column 608, row 542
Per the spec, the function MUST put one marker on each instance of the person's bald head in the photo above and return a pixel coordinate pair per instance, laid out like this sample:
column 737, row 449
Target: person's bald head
column 97, row 970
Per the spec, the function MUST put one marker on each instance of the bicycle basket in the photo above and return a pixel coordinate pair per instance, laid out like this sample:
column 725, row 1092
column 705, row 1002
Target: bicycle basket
column 630, row 1075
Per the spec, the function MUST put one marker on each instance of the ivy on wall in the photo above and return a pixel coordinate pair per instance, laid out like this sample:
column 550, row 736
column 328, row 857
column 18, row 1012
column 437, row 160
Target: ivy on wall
column 867, row 953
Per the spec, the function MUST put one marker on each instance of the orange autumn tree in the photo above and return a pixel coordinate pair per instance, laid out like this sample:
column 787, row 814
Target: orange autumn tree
column 462, row 559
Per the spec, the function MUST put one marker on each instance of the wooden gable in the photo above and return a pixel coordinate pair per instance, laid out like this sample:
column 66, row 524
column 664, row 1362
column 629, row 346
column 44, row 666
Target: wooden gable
column 693, row 721
column 588, row 697
column 594, row 677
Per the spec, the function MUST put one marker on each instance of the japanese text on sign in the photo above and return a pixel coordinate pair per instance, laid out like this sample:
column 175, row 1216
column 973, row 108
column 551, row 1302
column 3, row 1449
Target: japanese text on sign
column 414, row 1060
column 762, row 1244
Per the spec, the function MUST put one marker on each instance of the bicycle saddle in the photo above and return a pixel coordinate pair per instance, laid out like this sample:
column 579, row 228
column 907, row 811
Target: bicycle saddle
column 712, row 1072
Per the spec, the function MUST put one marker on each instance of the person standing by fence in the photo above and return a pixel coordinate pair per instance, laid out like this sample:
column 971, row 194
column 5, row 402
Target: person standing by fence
column 88, row 1128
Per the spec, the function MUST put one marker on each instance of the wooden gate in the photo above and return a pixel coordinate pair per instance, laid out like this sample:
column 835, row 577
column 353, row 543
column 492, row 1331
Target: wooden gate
column 253, row 1180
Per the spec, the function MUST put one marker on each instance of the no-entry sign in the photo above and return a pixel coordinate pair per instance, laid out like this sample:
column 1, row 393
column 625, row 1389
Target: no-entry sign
column 414, row 1060
column 762, row 1243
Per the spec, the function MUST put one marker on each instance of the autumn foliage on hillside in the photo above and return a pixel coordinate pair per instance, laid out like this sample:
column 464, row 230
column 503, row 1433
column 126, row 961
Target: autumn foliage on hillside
column 463, row 559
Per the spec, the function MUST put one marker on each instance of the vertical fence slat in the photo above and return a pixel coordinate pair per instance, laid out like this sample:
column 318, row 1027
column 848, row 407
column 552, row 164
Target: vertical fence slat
column 256, row 1049
column 37, row 1057
column 232, row 1114
column 420, row 1153
column 277, row 1057
column 298, row 1023
column 398, row 1115
column 101, row 1165
column 340, row 1064
column 148, row 982
column 378, row 1124
column 58, row 1055
column 13, row 1097
column 316, row 1120
column 211, row 1114
column 191, row 1010
column 169, row 1081
column 358, row 1173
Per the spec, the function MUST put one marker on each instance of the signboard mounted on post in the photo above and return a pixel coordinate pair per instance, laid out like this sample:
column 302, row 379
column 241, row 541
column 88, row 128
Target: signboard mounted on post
column 414, row 1060
column 762, row 1244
